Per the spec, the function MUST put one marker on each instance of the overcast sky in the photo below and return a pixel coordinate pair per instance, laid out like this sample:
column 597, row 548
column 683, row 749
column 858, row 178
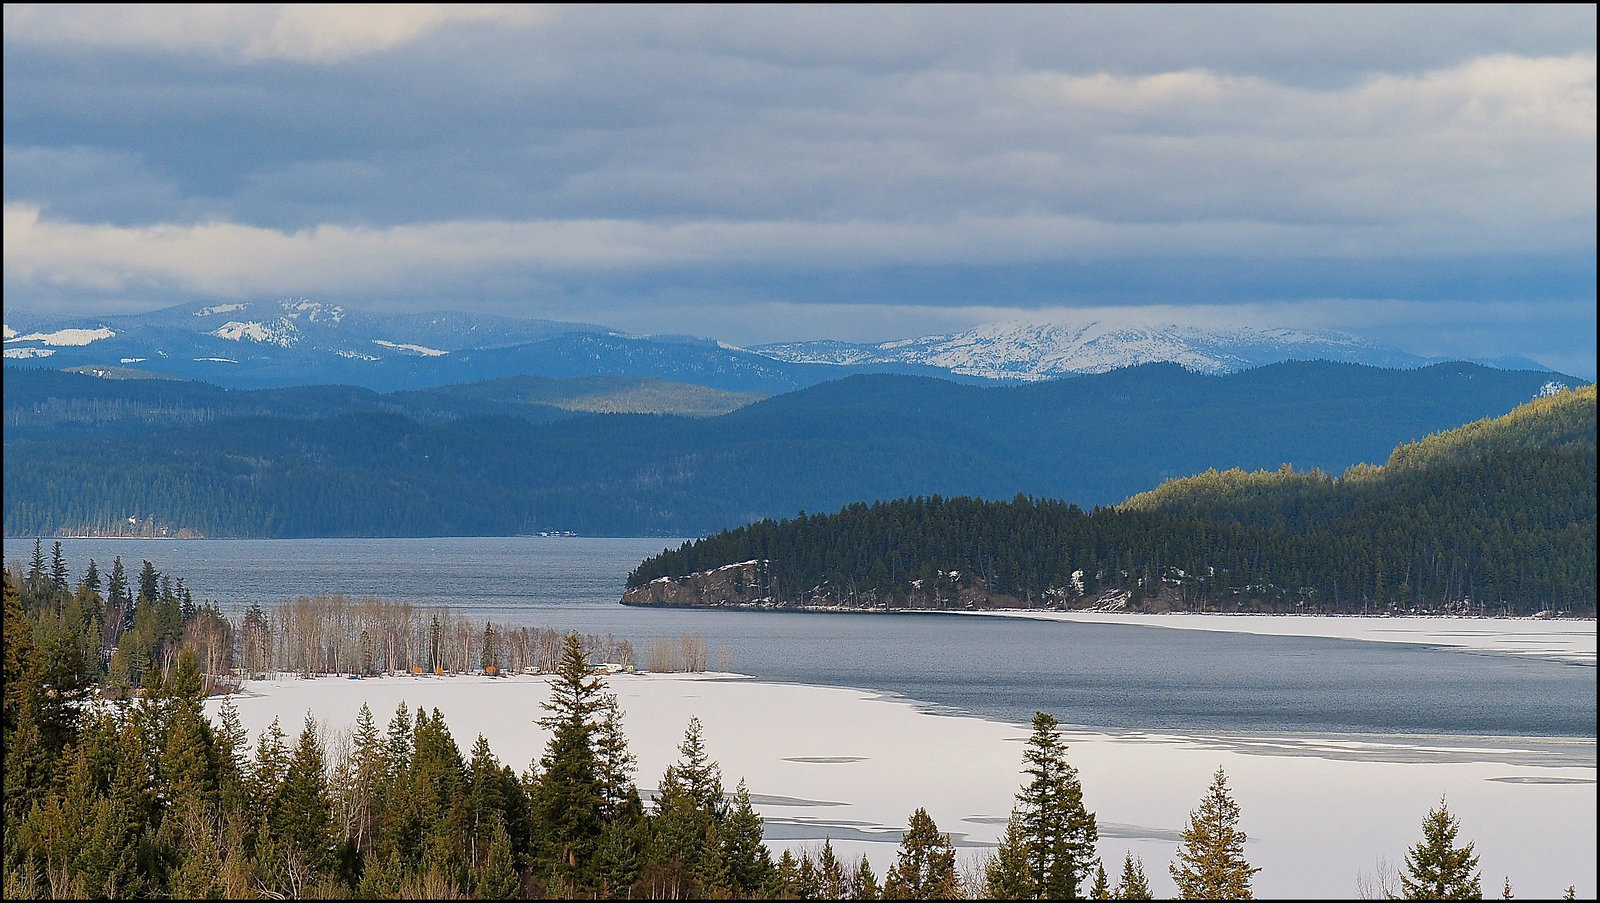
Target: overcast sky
column 1421, row 175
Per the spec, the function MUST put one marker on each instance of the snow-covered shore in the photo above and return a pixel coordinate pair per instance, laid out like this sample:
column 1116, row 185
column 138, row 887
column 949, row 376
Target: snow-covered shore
column 852, row 765
column 1569, row 640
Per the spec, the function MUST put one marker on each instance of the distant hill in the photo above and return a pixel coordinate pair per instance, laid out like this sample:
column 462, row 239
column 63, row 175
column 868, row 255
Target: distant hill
column 1024, row 350
column 501, row 458
column 1497, row 516
column 300, row 341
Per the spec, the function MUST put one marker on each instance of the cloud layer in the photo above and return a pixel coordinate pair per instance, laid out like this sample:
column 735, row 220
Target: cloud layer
column 705, row 159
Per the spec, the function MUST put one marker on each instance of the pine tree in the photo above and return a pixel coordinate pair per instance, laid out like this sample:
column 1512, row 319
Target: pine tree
column 1134, row 885
column 614, row 763
column 1102, row 888
column 303, row 819
column 926, row 865
column 748, row 862
column 567, row 802
column 36, row 566
column 830, row 875
column 1007, row 872
column 865, row 885
column 58, row 568
column 1212, row 860
column 1436, row 869
column 1061, row 834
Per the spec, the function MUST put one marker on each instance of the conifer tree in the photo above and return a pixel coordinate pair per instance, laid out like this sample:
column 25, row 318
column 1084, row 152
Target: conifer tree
column 1007, row 872
column 748, row 862
column 830, row 875
column 58, row 568
column 1211, row 863
column 568, row 797
column 865, row 884
column 303, row 819
column 36, row 570
column 1061, row 834
column 1437, row 869
column 926, row 865
column 1134, row 885
column 1101, row 890
column 614, row 762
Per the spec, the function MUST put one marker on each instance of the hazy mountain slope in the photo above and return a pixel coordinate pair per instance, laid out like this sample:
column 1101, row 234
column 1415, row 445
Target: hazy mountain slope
column 1093, row 440
column 1034, row 351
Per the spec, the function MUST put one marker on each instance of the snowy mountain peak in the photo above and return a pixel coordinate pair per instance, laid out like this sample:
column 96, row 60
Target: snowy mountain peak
column 1031, row 350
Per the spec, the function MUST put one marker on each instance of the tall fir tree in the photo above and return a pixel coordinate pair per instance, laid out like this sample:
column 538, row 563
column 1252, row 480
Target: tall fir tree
column 1007, row 872
column 1101, row 889
column 1134, row 885
column 1061, row 833
column 1437, row 869
column 1211, row 863
column 925, row 867
column 567, row 801
column 58, row 568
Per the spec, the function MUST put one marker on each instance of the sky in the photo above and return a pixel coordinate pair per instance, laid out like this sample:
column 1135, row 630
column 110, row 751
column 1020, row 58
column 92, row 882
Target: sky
column 1421, row 176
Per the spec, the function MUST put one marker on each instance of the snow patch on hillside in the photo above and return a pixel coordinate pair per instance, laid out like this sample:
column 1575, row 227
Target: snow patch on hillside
column 65, row 337
column 220, row 309
column 20, row 353
column 280, row 333
column 414, row 349
column 1031, row 351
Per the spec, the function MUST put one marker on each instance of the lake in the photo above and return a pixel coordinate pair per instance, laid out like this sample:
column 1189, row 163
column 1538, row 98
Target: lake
column 1095, row 676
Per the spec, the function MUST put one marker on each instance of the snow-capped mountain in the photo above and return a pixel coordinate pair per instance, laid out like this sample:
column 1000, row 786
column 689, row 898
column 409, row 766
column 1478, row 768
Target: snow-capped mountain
column 1021, row 350
column 300, row 341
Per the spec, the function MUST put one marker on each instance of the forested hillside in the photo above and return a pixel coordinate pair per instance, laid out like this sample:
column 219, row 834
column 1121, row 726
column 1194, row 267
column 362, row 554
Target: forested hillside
column 501, row 458
column 1497, row 516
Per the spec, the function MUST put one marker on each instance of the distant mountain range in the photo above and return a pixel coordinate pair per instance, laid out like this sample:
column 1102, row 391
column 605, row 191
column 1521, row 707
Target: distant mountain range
column 304, row 342
column 518, row 456
column 1021, row 350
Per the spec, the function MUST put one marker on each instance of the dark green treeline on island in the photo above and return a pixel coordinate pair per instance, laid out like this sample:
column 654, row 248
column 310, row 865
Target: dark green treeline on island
column 1496, row 517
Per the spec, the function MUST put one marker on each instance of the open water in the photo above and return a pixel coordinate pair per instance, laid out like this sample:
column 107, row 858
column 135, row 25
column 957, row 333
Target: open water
column 1103, row 677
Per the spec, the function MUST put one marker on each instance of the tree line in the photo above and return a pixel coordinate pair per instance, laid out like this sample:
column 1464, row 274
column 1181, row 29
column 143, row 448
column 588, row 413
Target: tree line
column 148, row 796
column 1497, row 518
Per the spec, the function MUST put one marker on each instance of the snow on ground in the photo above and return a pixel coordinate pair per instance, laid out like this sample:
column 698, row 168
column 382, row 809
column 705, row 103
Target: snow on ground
column 853, row 764
column 65, row 337
column 1568, row 640
column 414, row 349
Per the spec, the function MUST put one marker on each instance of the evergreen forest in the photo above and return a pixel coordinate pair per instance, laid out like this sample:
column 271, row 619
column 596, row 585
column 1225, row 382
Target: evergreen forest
column 147, row 457
column 1494, row 517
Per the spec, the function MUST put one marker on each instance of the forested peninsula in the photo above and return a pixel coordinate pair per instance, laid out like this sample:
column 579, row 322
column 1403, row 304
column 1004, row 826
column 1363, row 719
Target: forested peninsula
column 1495, row 517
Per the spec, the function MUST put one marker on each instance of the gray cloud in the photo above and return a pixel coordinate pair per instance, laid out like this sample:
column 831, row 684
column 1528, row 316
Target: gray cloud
column 708, row 157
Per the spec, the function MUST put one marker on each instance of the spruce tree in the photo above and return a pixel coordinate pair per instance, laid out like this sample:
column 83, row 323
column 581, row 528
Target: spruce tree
column 748, row 862
column 1211, row 863
column 1007, row 872
column 58, row 568
column 1134, row 885
column 1102, row 888
column 567, row 802
column 1437, row 869
column 1061, row 834
column 865, row 885
column 926, row 865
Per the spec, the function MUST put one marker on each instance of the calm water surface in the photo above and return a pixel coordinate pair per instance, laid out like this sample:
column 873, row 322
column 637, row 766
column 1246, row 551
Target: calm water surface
column 1100, row 676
